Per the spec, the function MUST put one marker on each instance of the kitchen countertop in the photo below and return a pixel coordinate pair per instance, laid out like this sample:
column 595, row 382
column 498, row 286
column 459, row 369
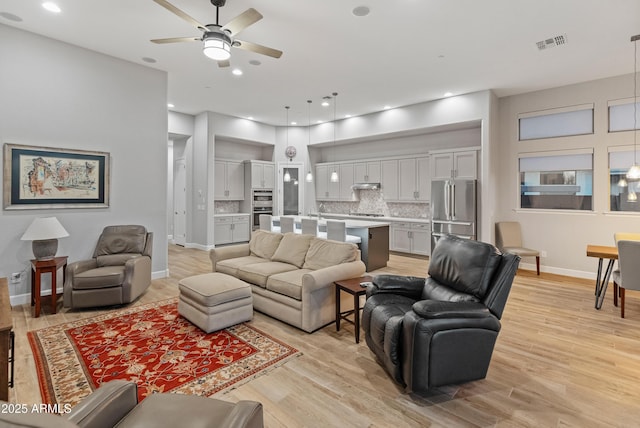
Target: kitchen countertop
column 350, row 223
column 386, row 219
column 229, row 214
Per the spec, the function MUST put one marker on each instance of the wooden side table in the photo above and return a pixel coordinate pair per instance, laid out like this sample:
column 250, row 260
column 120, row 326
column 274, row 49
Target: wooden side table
column 6, row 324
column 353, row 287
column 46, row 266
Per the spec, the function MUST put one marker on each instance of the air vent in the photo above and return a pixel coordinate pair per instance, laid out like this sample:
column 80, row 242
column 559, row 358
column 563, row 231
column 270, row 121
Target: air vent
column 551, row 42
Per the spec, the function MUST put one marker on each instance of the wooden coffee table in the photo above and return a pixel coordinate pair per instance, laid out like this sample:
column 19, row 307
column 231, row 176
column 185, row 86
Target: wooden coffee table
column 353, row 287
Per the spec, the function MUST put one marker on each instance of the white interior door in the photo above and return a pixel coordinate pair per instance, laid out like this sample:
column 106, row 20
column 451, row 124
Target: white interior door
column 180, row 202
column 290, row 195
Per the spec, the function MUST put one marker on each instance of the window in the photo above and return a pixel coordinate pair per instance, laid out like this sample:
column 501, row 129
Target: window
column 557, row 181
column 622, row 194
column 621, row 115
column 560, row 122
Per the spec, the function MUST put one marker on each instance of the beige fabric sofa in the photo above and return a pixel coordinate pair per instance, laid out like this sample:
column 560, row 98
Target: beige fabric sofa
column 291, row 275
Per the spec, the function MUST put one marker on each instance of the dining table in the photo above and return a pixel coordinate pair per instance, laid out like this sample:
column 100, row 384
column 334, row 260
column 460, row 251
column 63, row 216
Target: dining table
column 602, row 252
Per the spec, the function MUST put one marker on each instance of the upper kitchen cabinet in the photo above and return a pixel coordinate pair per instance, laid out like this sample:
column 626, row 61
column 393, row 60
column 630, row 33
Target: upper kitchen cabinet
column 406, row 180
column 367, row 172
column 414, row 180
column 229, row 181
column 326, row 190
column 263, row 174
column 459, row 164
column 345, row 181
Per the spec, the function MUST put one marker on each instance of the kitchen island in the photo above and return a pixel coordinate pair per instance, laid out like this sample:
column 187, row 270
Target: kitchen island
column 374, row 235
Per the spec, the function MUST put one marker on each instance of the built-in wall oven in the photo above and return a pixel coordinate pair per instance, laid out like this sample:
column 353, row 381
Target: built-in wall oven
column 261, row 203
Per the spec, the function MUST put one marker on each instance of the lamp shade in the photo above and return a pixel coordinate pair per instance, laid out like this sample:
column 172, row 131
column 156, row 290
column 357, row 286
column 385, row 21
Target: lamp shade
column 217, row 46
column 44, row 228
column 44, row 232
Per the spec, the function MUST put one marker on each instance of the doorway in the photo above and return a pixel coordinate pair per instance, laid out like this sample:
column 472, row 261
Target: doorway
column 180, row 202
column 290, row 188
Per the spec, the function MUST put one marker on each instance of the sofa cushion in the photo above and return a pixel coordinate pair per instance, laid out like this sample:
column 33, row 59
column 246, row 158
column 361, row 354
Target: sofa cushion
column 264, row 243
column 293, row 249
column 288, row 283
column 323, row 253
column 115, row 259
column 102, row 277
column 464, row 265
column 258, row 273
column 230, row 266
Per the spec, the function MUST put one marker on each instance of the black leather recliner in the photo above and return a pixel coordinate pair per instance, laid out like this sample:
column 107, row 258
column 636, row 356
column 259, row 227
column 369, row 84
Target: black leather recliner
column 440, row 330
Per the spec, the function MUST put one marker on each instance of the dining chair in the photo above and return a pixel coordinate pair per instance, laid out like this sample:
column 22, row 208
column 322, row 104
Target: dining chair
column 286, row 224
column 622, row 236
column 310, row 226
column 627, row 276
column 509, row 240
column 265, row 222
column 337, row 231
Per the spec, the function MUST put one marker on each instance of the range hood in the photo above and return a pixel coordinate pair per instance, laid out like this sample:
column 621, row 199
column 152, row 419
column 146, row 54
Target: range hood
column 366, row 186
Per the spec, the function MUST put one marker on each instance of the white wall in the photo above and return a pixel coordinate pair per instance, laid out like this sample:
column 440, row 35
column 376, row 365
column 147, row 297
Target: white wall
column 564, row 235
column 58, row 95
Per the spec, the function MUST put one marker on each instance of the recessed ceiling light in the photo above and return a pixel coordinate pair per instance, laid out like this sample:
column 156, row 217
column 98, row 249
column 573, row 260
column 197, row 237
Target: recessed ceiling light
column 10, row 16
column 447, row 94
column 149, row 60
column 237, row 72
column 170, row 105
column 294, row 123
column 361, row 11
column 386, row 107
column 318, row 121
column 254, row 62
column 51, row 7
column 347, row 116
column 250, row 117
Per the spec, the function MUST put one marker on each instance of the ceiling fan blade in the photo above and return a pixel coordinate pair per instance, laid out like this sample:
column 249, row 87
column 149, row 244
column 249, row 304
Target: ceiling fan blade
column 223, row 64
column 171, row 8
column 176, row 40
column 242, row 21
column 254, row 47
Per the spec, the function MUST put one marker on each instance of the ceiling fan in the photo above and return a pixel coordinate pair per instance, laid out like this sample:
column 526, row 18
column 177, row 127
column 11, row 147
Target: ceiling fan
column 218, row 39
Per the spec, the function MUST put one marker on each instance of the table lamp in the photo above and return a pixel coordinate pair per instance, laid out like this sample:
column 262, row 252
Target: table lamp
column 44, row 232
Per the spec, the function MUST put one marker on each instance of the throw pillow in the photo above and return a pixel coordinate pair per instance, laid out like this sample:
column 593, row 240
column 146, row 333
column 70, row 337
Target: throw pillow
column 264, row 243
column 323, row 253
column 293, row 249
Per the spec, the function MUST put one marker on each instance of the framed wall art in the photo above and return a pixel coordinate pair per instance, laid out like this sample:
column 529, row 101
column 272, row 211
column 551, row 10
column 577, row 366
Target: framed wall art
column 46, row 178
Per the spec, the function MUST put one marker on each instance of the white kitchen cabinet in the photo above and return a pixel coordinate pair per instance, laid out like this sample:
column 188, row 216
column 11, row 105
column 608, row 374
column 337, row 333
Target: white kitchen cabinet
column 345, row 176
column 462, row 165
column 367, row 172
column 231, row 229
column 389, row 179
column 263, row 174
column 327, row 190
column 413, row 238
column 228, row 180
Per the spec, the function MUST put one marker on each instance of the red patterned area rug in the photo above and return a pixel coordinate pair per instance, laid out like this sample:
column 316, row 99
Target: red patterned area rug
column 153, row 346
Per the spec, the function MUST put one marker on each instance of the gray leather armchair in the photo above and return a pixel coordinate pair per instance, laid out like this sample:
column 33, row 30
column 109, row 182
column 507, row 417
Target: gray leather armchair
column 118, row 273
column 116, row 403
column 440, row 330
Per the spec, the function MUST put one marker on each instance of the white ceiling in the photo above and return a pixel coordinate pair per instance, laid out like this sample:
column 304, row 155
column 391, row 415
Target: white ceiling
column 403, row 52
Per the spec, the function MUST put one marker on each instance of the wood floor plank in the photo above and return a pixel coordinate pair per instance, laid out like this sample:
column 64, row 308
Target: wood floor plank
column 558, row 362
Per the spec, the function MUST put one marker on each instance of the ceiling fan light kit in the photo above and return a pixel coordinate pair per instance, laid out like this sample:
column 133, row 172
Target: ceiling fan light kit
column 217, row 45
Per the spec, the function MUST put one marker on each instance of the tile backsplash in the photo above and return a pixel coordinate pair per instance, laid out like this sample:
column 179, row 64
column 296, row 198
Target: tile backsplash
column 371, row 202
column 226, row 207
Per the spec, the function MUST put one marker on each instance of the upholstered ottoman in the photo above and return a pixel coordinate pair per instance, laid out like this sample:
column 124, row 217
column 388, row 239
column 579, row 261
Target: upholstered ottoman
column 214, row 301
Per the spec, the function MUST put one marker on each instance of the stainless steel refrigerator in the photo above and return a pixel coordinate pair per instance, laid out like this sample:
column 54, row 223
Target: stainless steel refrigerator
column 453, row 209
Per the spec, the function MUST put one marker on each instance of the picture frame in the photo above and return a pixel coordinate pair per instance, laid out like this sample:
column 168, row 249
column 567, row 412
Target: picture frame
column 54, row 178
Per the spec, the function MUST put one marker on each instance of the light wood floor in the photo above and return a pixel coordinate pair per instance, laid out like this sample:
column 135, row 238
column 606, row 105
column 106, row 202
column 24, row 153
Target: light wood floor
column 558, row 362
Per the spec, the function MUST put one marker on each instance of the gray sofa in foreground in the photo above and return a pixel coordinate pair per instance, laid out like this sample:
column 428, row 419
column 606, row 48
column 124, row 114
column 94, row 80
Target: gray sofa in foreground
column 291, row 275
column 115, row 403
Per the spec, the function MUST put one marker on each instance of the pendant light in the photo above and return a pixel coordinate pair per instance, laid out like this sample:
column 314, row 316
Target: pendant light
column 309, row 177
column 287, row 176
column 634, row 172
column 334, row 173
